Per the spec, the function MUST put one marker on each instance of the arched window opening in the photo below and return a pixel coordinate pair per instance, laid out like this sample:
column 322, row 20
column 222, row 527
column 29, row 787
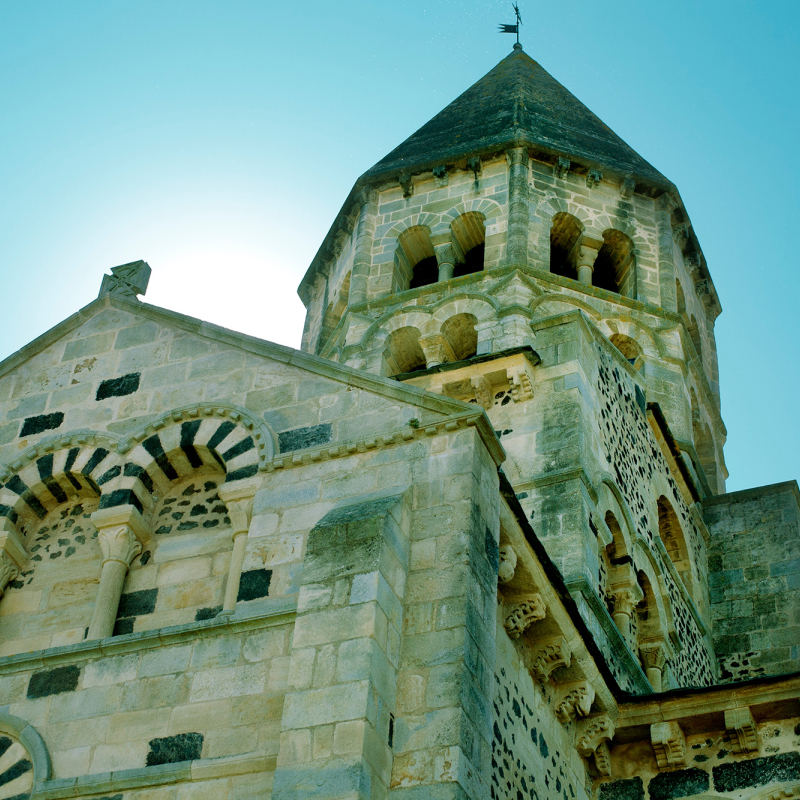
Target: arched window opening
column 565, row 234
column 468, row 234
column 51, row 601
column 415, row 259
column 403, row 351
column 669, row 528
column 461, row 335
column 191, row 516
column 694, row 335
column 614, row 268
column 628, row 347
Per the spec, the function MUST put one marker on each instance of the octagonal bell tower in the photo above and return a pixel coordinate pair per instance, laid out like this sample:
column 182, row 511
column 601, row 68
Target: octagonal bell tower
column 515, row 253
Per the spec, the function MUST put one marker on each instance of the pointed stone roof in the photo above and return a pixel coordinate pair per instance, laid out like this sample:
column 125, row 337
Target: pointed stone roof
column 516, row 104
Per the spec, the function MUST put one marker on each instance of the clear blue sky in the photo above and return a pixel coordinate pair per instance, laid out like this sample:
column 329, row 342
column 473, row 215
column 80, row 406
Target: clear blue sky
column 217, row 140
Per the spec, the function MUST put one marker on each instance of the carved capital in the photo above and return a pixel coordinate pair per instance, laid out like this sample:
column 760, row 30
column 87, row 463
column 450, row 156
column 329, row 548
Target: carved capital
column 548, row 657
column 742, row 732
column 13, row 555
column 436, row 350
column 523, row 614
column 562, row 167
column 121, row 533
column 508, row 563
column 238, row 497
column 587, row 251
column 625, row 598
column 594, row 733
column 593, row 177
column 575, row 701
column 669, row 744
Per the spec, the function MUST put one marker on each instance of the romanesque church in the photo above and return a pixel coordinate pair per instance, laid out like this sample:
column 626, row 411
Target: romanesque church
column 470, row 541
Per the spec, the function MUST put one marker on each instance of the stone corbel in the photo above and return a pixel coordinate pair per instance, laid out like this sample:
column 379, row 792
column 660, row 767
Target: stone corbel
column 680, row 232
column 594, row 734
column 523, row 614
column 742, row 732
column 508, row 563
column 122, row 533
column 669, row 744
column 238, row 497
column 626, row 188
column 13, row 555
column 562, row 167
column 593, row 178
column 520, row 383
column 475, row 165
column 575, row 701
column 483, row 392
column 548, row 657
column 408, row 185
column 441, row 178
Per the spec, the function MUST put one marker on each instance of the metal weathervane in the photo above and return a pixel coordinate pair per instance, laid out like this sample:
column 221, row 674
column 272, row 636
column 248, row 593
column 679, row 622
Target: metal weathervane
column 512, row 28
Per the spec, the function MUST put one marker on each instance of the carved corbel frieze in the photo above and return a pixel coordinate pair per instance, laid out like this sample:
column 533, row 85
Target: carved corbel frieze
column 548, row 657
column 523, row 613
column 593, row 177
column 594, row 734
column 13, row 555
column 669, row 744
column 575, row 701
column 742, row 732
column 562, row 167
column 508, row 563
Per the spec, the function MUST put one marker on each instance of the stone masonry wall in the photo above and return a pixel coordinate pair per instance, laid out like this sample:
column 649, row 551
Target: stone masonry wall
column 754, row 575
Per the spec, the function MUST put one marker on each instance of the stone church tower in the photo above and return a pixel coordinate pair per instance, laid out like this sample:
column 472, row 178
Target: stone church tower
column 471, row 541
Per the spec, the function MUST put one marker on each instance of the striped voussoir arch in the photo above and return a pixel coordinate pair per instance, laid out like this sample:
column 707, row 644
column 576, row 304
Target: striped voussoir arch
column 136, row 470
column 16, row 770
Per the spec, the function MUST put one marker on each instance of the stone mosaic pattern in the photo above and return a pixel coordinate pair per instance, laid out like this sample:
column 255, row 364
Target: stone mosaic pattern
column 635, row 459
column 531, row 755
column 51, row 601
column 184, row 567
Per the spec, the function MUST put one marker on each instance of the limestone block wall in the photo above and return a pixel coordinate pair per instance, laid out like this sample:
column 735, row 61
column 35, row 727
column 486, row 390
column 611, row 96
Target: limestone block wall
column 754, row 575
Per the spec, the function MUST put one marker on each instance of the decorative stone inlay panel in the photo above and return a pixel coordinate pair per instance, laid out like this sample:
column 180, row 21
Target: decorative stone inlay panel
column 523, row 614
column 197, row 506
column 669, row 744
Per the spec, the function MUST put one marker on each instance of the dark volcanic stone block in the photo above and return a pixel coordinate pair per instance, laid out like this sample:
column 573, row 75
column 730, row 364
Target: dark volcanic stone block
column 118, row 387
column 134, row 604
column 680, row 783
column 630, row 789
column 124, row 626
column 54, row 681
column 300, row 438
column 756, row 772
column 172, row 749
column 254, row 584
column 44, row 422
column 207, row 613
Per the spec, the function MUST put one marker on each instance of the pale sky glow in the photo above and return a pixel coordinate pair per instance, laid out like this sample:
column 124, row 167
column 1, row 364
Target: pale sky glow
column 217, row 141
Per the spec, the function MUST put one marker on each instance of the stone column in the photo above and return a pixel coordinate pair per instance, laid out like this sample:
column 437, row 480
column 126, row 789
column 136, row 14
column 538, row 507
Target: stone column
column 625, row 599
column 518, row 215
column 364, row 235
column 654, row 657
column 13, row 555
column 238, row 497
column 587, row 253
column 121, row 532
column 446, row 258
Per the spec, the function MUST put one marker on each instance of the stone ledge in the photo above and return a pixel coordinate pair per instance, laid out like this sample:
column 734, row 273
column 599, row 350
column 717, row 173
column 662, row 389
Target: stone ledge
column 146, row 777
column 283, row 613
column 785, row 487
